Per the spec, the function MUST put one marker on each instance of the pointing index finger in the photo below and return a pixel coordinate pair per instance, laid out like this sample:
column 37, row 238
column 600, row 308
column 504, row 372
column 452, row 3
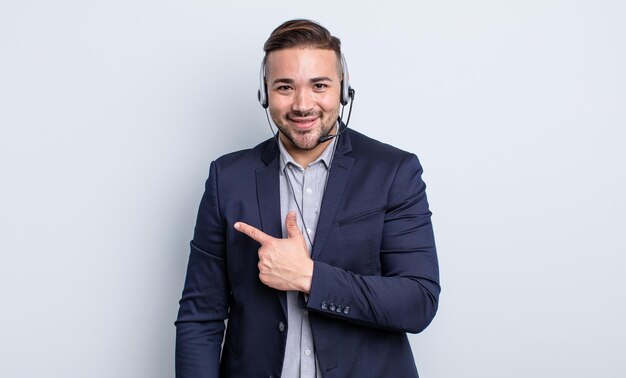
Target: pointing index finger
column 252, row 232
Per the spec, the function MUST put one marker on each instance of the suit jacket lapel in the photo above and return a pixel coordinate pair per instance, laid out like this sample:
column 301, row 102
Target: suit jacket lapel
column 339, row 175
column 268, row 195
column 268, row 192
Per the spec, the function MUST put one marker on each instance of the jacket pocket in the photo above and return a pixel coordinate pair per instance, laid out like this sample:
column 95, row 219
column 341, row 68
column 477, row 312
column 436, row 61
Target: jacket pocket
column 360, row 216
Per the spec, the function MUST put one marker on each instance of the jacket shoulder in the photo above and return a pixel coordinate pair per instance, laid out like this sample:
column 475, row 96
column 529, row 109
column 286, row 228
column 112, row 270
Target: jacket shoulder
column 364, row 146
column 251, row 157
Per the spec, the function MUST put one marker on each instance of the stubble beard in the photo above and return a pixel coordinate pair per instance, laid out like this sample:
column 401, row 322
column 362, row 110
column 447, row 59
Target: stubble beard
column 305, row 140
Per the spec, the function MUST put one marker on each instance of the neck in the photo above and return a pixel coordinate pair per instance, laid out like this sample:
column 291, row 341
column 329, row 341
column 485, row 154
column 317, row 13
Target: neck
column 304, row 157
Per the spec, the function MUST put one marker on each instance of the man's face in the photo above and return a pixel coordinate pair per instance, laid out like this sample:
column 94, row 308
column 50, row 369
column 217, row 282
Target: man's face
column 303, row 87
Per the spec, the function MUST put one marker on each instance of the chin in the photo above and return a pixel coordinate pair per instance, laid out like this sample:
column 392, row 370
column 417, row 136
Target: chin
column 307, row 142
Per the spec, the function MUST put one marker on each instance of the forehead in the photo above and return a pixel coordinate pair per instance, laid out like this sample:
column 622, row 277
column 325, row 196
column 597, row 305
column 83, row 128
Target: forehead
column 305, row 62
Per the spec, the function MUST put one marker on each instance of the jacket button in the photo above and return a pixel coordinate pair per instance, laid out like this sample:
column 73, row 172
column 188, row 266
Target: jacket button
column 332, row 306
column 339, row 308
column 281, row 327
column 346, row 310
column 324, row 305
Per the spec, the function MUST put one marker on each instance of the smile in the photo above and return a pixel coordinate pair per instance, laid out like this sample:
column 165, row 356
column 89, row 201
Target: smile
column 303, row 123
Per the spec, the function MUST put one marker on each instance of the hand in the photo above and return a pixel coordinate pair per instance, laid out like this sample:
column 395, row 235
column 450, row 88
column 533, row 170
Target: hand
column 284, row 264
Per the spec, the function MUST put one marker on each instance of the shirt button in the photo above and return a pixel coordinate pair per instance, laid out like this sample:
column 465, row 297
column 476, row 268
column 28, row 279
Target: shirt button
column 307, row 352
column 281, row 327
column 308, row 230
column 309, row 191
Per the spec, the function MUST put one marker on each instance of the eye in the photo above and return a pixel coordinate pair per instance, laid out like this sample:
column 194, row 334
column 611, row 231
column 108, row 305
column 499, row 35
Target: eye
column 283, row 88
column 320, row 86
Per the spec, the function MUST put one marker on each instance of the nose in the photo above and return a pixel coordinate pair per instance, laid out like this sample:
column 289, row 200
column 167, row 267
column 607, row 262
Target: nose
column 303, row 101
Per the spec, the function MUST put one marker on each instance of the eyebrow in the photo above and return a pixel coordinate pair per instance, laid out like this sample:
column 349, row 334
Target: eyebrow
column 291, row 81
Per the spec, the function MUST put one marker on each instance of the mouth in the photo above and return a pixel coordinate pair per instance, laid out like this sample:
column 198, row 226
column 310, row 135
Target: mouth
column 303, row 123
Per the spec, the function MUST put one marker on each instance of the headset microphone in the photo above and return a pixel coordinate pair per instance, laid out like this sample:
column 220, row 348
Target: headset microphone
column 327, row 138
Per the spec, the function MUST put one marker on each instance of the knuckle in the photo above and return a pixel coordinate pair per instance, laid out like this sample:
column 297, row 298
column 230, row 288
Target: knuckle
column 263, row 278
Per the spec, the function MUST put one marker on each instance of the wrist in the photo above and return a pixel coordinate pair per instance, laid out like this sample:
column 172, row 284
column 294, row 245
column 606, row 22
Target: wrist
column 307, row 278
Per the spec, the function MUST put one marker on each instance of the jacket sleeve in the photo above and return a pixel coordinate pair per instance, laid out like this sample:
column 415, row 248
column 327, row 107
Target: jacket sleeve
column 404, row 296
column 204, row 303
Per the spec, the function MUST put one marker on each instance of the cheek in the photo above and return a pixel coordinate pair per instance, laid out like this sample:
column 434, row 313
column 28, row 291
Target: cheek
column 330, row 104
column 331, row 107
column 276, row 107
column 280, row 101
column 275, row 114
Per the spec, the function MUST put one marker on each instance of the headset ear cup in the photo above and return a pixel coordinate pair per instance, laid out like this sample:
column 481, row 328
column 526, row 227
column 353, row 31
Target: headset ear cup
column 347, row 94
column 262, row 97
column 261, row 94
column 258, row 96
column 345, row 83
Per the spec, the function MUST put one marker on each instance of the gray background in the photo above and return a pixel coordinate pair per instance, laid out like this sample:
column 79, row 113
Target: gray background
column 110, row 113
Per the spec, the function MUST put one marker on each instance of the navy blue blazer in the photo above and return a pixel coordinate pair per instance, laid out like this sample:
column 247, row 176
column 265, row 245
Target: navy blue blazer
column 375, row 275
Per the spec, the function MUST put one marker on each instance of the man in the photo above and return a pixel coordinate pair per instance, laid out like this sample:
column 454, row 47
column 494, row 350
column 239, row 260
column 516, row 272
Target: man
column 334, row 292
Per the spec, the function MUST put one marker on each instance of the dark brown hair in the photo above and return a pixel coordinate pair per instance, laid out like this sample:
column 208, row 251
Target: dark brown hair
column 302, row 33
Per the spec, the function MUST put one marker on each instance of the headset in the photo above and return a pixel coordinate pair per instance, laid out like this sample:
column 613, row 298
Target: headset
column 347, row 93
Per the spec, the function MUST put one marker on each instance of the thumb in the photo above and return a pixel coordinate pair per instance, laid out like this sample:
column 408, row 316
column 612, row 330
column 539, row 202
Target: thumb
column 292, row 225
